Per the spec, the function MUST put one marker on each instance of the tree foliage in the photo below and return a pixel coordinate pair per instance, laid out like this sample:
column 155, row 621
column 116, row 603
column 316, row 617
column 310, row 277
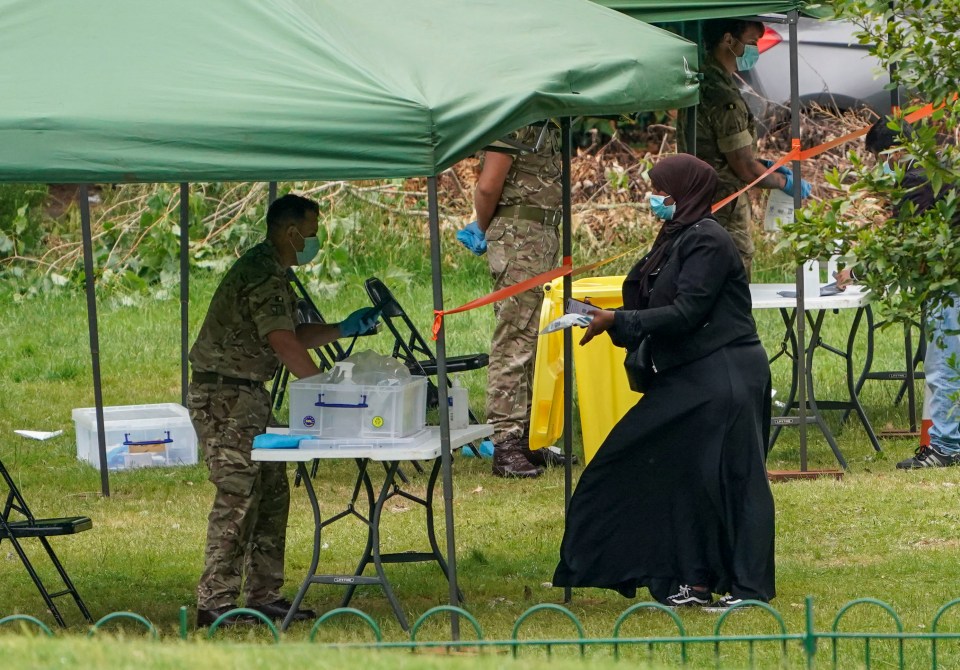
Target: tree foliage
column 910, row 261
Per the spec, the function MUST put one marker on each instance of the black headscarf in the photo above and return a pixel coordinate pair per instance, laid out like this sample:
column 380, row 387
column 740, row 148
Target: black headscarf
column 692, row 184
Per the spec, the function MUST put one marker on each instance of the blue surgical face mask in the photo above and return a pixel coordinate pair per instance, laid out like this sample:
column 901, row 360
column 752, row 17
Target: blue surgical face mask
column 311, row 247
column 888, row 169
column 751, row 54
column 660, row 209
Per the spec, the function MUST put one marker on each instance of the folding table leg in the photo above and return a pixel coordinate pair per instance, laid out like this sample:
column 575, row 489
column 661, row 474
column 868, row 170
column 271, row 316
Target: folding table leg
column 790, row 338
column 363, row 478
column 851, row 386
column 811, row 398
column 375, row 536
column 315, row 561
column 431, row 530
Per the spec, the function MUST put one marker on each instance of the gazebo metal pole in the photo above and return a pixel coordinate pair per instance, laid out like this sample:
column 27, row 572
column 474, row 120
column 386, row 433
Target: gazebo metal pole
column 892, row 69
column 271, row 192
column 84, row 202
column 567, row 332
column 184, row 288
column 801, row 364
column 446, row 460
column 690, row 130
column 907, row 334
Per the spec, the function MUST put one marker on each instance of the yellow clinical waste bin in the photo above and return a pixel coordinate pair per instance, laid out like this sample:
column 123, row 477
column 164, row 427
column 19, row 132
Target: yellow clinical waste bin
column 603, row 392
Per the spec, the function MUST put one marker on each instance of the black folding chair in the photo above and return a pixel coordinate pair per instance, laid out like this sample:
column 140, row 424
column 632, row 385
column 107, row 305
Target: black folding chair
column 412, row 349
column 17, row 522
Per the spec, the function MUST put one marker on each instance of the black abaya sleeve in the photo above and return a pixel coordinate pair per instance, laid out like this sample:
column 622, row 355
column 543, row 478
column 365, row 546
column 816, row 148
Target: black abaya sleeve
column 705, row 262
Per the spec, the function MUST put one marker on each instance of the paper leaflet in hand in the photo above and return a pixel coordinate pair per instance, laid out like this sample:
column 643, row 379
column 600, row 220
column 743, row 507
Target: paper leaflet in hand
column 567, row 321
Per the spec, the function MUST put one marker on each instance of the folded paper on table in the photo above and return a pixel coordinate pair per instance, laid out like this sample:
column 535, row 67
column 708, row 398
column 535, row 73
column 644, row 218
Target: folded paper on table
column 829, row 289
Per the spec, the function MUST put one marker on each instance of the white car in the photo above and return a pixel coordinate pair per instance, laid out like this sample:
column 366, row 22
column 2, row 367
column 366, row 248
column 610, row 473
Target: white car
column 835, row 72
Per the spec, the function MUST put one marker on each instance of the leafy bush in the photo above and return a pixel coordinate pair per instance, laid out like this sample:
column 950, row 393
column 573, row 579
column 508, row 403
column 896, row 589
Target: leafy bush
column 912, row 259
column 21, row 219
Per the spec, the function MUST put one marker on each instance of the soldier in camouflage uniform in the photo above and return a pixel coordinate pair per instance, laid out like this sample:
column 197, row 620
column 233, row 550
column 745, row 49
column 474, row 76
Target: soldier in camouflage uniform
column 250, row 327
column 518, row 200
column 726, row 129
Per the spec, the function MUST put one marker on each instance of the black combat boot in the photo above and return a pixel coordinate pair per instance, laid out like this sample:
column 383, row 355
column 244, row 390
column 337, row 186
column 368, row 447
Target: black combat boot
column 548, row 457
column 509, row 461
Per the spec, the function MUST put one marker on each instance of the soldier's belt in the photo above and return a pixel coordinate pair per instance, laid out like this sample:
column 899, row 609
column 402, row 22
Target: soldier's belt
column 214, row 378
column 548, row 217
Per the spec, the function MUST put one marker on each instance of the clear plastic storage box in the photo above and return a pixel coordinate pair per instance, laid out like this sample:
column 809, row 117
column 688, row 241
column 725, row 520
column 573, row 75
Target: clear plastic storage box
column 137, row 436
column 393, row 410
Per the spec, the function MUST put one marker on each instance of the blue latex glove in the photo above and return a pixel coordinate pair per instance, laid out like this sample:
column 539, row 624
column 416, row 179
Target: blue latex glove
column 805, row 186
column 473, row 238
column 486, row 450
column 783, row 169
column 360, row 321
column 277, row 441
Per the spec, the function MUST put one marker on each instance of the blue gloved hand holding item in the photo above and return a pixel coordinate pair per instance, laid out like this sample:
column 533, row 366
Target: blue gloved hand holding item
column 359, row 322
column 370, row 321
column 805, row 186
column 783, row 169
column 473, row 238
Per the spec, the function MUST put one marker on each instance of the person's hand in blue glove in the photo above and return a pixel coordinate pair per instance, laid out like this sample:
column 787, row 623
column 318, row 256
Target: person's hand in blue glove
column 783, row 169
column 805, row 186
column 359, row 322
column 473, row 238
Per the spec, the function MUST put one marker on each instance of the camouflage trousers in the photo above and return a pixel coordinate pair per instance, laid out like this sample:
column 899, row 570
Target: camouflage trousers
column 736, row 219
column 247, row 526
column 517, row 249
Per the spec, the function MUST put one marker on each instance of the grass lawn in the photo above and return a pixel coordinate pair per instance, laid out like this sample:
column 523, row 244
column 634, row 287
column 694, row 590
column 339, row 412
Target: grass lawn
column 877, row 533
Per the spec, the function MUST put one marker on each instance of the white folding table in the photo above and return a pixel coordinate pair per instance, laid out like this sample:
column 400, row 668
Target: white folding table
column 767, row 296
column 363, row 452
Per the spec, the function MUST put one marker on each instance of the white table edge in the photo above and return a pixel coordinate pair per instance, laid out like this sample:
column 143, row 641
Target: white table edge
column 426, row 449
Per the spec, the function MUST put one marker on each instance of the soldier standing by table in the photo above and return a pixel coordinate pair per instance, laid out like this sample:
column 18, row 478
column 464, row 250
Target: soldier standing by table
column 518, row 202
column 249, row 329
column 727, row 130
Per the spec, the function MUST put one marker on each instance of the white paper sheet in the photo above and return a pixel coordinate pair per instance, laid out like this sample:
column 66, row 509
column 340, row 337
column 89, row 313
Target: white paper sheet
column 38, row 434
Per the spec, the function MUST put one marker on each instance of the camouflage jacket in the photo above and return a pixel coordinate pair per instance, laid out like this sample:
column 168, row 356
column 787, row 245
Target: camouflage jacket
column 724, row 124
column 253, row 299
column 534, row 179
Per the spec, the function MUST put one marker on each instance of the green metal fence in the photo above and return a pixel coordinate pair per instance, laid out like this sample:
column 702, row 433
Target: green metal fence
column 805, row 648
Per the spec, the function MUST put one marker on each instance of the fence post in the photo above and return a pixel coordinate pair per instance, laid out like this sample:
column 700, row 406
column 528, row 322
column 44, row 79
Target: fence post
column 810, row 638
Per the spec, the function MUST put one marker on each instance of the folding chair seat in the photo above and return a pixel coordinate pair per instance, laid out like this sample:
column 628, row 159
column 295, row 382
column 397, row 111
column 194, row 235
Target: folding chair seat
column 411, row 348
column 16, row 529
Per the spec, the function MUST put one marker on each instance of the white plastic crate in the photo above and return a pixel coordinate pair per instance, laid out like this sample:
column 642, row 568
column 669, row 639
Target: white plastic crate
column 356, row 410
column 137, row 436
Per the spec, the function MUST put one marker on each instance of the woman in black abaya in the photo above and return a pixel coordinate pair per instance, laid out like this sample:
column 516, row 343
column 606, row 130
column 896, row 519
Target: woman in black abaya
column 676, row 498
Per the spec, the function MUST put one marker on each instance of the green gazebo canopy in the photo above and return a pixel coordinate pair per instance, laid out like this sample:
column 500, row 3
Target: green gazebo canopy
column 180, row 90
column 660, row 11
